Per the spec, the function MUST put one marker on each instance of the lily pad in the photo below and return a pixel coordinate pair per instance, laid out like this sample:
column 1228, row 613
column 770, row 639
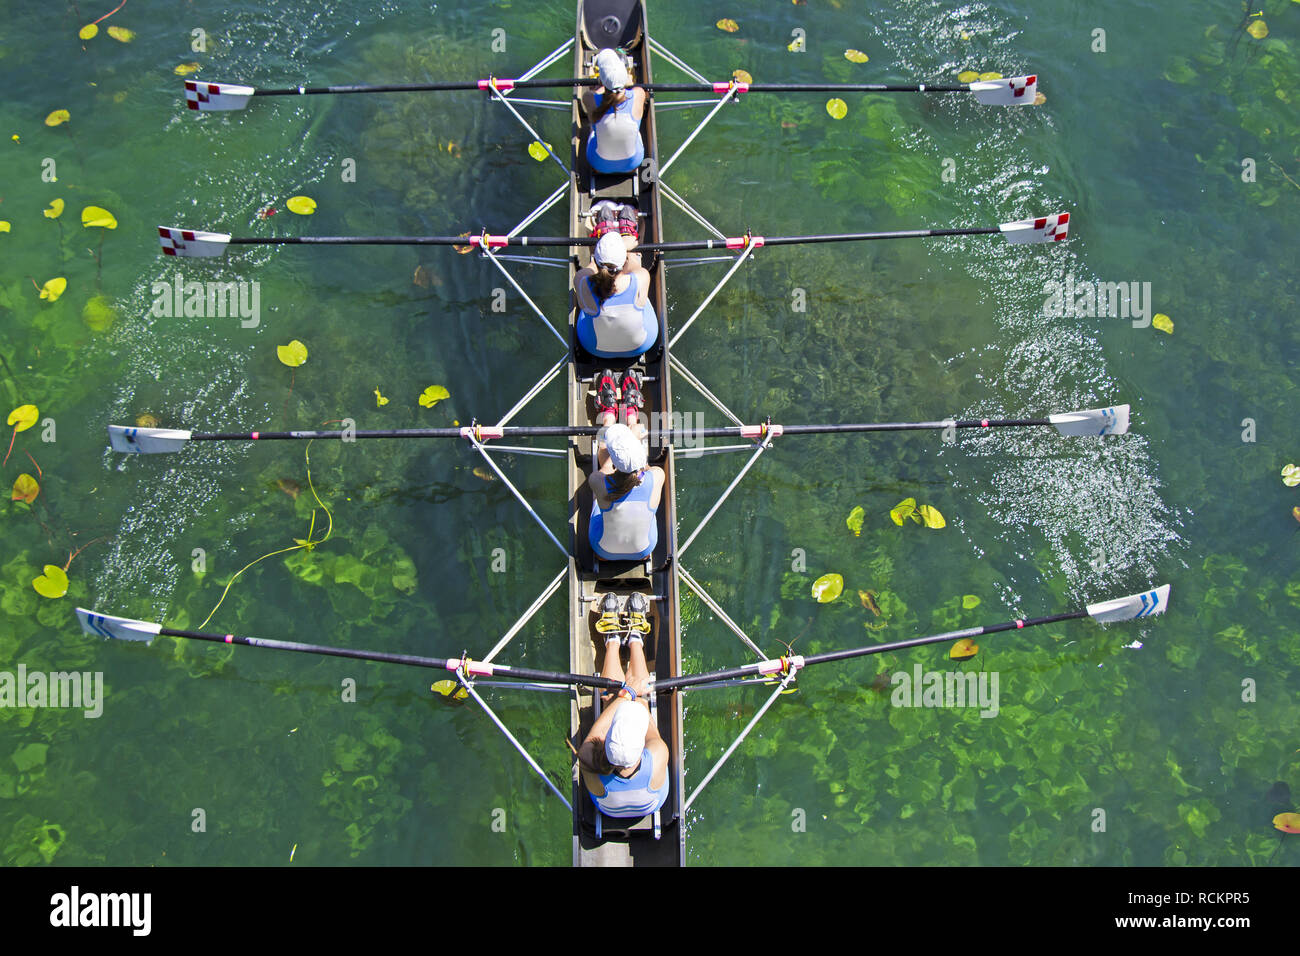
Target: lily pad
column 57, row 117
column 121, row 34
column 302, row 205
column 54, row 288
column 1163, row 323
column 967, row 76
column 538, row 150
column 969, row 601
column 23, row 417
column 432, row 395
column 727, row 25
column 98, row 217
column 827, row 588
column 55, row 209
column 293, row 354
column 964, row 650
column 25, row 488
column 837, row 108
column 903, row 510
column 856, row 56
column 1287, row 822
column 89, row 31
column 931, row 517
column 53, row 583
column 1290, row 474
column 854, row 520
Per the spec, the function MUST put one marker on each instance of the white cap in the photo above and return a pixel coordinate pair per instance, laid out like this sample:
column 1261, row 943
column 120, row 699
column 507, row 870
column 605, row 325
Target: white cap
column 613, row 73
column 626, row 737
column 611, row 250
column 625, row 448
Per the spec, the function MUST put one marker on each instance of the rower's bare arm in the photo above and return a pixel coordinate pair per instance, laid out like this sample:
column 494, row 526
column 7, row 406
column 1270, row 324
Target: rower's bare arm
column 586, row 301
column 642, row 288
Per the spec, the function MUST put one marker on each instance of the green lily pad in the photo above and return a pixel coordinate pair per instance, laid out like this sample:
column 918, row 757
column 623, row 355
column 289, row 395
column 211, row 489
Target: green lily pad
column 903, row 510
column 827, row 588
column 854, row 520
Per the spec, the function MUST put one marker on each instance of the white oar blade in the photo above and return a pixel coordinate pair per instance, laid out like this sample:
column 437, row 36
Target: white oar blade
column 1043, row 229
column 119, row 628
column 1092, row 421
column 146, row 441
column 1015, row 91
column 1146, row 604
column 208, row 97
column 191, row 243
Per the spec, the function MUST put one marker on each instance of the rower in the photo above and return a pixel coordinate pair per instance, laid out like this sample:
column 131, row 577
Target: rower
column 614, row 145
column 615, row 317
column 626, row 493
column 624, row 760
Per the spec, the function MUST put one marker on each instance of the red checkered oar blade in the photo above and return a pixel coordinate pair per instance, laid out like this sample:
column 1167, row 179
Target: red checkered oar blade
column 1043, row 229
column 1012, row 91
column 212, row 97
column 192, row 243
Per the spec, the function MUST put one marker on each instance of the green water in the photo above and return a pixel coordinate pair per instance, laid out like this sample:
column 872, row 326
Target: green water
column 1142, row 144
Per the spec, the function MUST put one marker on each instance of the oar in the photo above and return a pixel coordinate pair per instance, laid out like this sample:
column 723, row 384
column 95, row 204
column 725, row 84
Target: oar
column 131, row 439
column 196, row 243
column 1145, row 604
column 1009, row 91
column 126, row 629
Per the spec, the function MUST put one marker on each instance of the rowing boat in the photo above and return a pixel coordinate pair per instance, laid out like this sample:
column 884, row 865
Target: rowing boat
column 599, row 840
column 658, row 839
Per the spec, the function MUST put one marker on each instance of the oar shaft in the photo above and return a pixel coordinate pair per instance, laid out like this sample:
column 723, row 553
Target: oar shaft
column 407, row 241
column 667, row 435
column 503, row 84
column 436, row 663
column 696, row 244
column 506, row 84
column 940, row 638
column 748, row 670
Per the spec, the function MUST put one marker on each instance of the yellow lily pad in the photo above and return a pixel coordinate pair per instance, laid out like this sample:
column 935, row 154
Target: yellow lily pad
column 727, row 25
column 964, row 650
column 827, row 588
column 837, row 108
column 1287, row 822
column 990, row 76
column 98, row 313
column 53, row 583
column 903, row 510
column 100, row 218
column 57, row 117
column 55, row 209
column 741, row 76
column 856, row 56
column 25, row 488
column 4, row 225
column 931, row 517
column 302, row 205
column 854, row 520
column 185, row 69
column 450, row 689
column 1258, row 29
column 538, row 151
column 89, row 31
column 121, row 34
column 1290, row 474
column 967, row 76
column 380, row 401
column 293, row 354
column 23, row 417
column 1163, row 323
column 432, row 395
column 969, row 601
column 54, row 288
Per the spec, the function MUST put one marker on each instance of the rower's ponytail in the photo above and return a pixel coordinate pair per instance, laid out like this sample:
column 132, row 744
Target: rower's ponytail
column 607, row 103
column 602, row 283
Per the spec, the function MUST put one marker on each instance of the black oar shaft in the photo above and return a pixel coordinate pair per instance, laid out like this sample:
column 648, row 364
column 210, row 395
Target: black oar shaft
column 412, row 660
column 749, row 670
column 506, row 84
column 540, row 241
column 668, row 435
